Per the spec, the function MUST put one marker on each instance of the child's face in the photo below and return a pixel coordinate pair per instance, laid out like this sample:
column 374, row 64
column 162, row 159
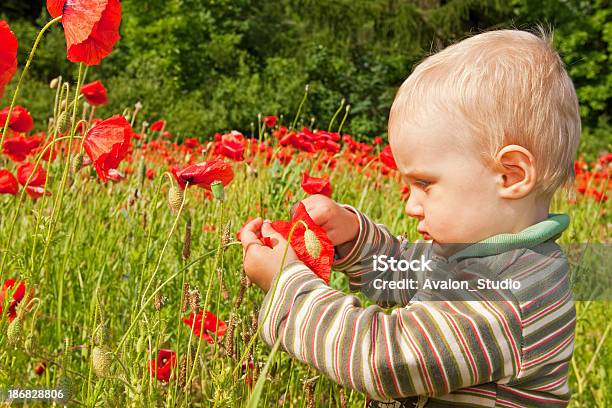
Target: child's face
column 453, row 194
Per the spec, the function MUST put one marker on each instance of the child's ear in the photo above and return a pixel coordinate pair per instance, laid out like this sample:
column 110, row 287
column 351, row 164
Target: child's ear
column 517, row 173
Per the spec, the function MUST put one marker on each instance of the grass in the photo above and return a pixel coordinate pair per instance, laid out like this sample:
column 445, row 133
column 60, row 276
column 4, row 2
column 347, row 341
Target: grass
column 117, row 249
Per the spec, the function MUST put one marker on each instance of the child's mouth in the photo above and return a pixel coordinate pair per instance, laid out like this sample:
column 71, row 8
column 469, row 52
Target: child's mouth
column 425, row 235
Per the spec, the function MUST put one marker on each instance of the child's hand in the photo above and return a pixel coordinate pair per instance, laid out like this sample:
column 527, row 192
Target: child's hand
column 340, row 224
column 261, row 262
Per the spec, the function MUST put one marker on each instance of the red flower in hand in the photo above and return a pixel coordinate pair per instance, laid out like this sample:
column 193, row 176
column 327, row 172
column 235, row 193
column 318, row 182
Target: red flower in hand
column 21, row 120
column 95, row 93
column 312, row 247
column 161, row 368
column 203, row 328
column 108, row 143
column 91, row 27
column 205, row 173
column 316, row 185
column 8, row 183
column 8, row 56
column 18, row 295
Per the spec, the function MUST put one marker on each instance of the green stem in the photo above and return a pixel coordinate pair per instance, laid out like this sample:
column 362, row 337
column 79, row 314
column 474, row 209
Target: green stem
column 297, row 115
column 60, row 195
column 23, row 74
column 348, row 108
column 254, row 338
column 22, row 195
column 333, row 119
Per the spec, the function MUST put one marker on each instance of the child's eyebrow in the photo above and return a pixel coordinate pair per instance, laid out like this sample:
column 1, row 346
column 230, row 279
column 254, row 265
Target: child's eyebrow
column 415, row 174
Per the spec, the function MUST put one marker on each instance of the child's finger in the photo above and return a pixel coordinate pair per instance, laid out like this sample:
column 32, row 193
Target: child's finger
column 268, row 231
column 249, row 234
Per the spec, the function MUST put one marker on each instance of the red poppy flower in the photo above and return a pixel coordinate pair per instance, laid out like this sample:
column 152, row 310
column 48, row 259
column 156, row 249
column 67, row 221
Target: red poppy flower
column 270, row 121
column 40, row 368
column 158, row 125
column 115, row 175
column 36, row 192
column 162, row 367
column 16, row 148
column 108, row 143
column 91, row 27
column 17, row 296
column 205, row 173
column 204, row 328
column 21, row 120
column 150, row 174
column 8, row 55
column 95, row 93
column 386, row 156
column 25, row 170
column 191, row 142
column 321, row 265
column 316, row 185
column 8, row 183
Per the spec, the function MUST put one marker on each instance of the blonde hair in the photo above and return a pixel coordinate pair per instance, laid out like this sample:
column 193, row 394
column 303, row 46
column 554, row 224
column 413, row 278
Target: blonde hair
column 509, row 87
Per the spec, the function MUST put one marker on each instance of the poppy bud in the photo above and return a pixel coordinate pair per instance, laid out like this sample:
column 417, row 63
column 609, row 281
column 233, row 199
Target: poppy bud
column 217, row 190
column 13, row 333
column 313, row 246
column 101, row 361
column 175, row 198
column 141, row 344
column 66, row 387
column 77, row 163
column 63, row 122
column 54, row 82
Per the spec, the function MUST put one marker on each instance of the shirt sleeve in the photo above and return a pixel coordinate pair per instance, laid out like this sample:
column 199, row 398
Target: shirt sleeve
column 376, row 240
column 425, row 348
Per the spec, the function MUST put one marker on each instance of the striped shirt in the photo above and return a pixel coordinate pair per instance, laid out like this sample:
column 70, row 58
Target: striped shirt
column 435, row 349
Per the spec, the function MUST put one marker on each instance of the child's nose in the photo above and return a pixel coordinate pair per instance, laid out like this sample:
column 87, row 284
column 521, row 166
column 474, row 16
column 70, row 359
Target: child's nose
column 413, row 208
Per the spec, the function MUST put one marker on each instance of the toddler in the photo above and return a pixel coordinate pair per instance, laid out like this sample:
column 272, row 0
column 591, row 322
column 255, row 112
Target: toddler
column 483, row 132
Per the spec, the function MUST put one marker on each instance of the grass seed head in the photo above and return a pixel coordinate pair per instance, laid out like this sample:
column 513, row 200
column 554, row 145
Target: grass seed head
column 194, row 300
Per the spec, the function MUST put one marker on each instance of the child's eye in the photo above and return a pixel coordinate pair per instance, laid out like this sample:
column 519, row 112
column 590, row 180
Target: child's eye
column 422, row 183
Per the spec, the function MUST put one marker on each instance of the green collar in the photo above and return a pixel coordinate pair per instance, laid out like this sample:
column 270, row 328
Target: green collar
column 550, row 228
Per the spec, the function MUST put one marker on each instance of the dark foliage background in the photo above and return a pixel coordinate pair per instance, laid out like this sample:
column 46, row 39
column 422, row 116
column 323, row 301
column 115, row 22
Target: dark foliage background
column 213, row 65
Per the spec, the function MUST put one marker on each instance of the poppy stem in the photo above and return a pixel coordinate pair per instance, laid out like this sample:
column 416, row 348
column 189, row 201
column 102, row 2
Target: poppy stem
column 22, row 195
column 348, row 108
column 333, row 119
column 297, row 115
column 23, row 74
column 254, row 337
column 60, row 195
